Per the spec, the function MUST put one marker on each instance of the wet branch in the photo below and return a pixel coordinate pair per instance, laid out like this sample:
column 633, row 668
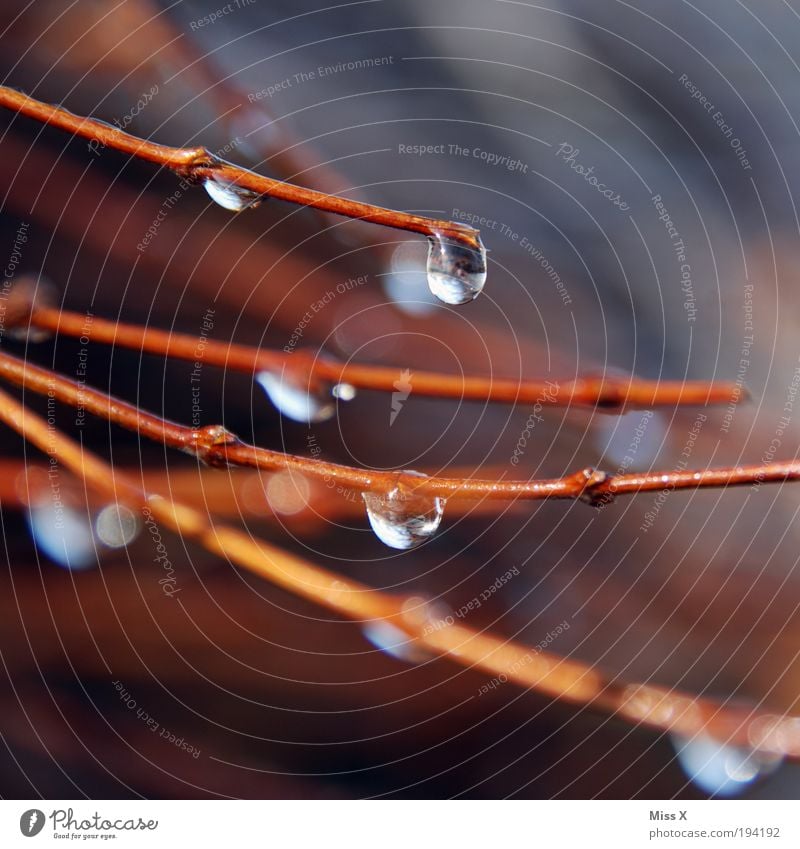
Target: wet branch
column 506, row 660
column 608, row 393
column 198, row 164
column 216, row 446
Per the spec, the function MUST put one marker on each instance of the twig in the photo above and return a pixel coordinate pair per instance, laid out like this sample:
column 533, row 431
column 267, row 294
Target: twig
column 240, row 492
column 607, row 392
column 198, row 164
column 215, row 445
column 214, row 276
column 547, row 673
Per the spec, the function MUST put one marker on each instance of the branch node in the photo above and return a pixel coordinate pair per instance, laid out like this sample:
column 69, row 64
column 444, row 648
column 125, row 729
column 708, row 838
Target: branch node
column 18, row 308
column 197, row 158
column 593, row 491
column 210, row 443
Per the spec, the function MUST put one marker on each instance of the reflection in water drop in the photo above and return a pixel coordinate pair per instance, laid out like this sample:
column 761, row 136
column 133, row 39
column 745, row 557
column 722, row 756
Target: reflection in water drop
column 719, row 769
column 407, row 281
column 64, row 535
column 297, row 402
column 116, row 525
column 401, row 518
column 456, row 273
column 393, row 641
column 230, row 196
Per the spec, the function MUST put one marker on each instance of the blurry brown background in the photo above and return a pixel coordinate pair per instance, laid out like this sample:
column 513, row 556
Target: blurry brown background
column 279, row 698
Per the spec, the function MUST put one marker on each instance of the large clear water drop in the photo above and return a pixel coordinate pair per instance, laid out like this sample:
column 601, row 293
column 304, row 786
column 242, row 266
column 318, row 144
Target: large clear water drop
column 403, row 518
column 230, row 196
column 301, row 402
column 456, row 273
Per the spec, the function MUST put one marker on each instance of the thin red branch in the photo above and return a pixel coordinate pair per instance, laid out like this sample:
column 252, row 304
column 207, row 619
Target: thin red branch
column 215, row 445
column 607, row 392
column 199, row 164
column 304, row 503
column 548, row 673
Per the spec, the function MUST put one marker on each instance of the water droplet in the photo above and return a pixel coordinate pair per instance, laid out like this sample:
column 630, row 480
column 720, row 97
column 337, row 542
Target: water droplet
column 426, row 613
column 631, row 441
column 402, row 518
column 63, row 534
column 301, row 402
column 393, row 641
column 254, row 134
column 230, row 196
column 288, row 493
column 344, row 392
column 720, row 769
column 456, row 273
column 116, row 525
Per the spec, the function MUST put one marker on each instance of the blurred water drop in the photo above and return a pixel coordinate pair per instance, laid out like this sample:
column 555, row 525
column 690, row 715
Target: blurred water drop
column 426, row 613
column 288, row 492
column 301, row 403
column 719, row 769
column 116, row 526
column 344, row 391
column 402, row 518
column 230, row 196
column 64, row 535
column 393, row 641
column 456, row 273
column 254, row 132
column 632, row 440
column 407, row 281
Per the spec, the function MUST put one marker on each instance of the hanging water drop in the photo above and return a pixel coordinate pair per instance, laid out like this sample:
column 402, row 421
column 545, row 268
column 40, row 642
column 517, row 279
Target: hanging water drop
column 303, row 403
column 456, row 273
column 402, row 518
column 720, row 769
column 230, row 196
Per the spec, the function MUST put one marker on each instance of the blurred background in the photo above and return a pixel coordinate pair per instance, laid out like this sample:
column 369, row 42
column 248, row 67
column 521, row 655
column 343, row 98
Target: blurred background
column 633, row 169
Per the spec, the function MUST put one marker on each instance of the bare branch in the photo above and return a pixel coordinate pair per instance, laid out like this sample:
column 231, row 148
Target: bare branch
column 215, row 445
column 607, row 392
column 548, row 673
column 199, row 164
